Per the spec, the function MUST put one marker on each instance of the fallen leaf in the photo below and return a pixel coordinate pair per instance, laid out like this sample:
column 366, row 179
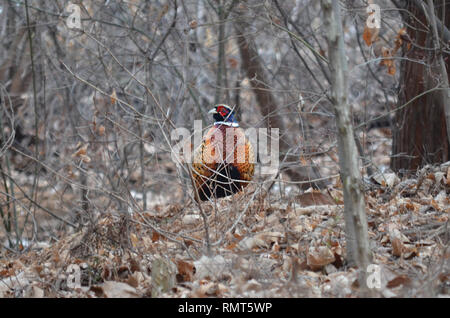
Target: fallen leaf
column 318, row 257
column 193, row 24
column 191, row 219
column 260, row 240
column 314, row 198
column 37, row 292
column 397, row 247
column 391, row 69
column 132, row 281
column 399, row 280
column 186, row 271
column 101, row 130
column 81, row 151
column 112, row 289
column 231, row 246
column 386, row 179
column 370, row 35
column 233, row 63
column 211, row 267
column 155, row 236
column 113, row 97
column 85, row 159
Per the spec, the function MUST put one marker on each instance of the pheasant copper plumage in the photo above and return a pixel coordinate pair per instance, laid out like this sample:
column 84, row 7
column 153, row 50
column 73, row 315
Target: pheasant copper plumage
column 224, row 163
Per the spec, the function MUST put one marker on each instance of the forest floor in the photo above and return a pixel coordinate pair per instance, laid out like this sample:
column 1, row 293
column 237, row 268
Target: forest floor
column 276, row 245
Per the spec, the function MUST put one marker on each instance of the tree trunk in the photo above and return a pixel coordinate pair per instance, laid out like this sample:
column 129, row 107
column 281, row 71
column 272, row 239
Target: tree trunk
column 252, row 66
column 357, row 241
column 419, row 130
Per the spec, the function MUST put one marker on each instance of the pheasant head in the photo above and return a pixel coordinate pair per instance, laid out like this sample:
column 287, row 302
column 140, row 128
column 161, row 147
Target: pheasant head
column 224, row 114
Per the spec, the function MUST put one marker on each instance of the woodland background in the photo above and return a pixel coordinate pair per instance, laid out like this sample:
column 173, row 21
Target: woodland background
column 91, row 204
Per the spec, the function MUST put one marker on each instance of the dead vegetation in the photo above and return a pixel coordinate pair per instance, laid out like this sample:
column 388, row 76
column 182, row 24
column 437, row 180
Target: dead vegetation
column 265, row 247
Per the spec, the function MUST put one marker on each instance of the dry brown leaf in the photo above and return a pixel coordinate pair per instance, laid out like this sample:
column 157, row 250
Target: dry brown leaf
column 132, row 281
column 112, row 289
column 387, row 60
column 134, row 265
column 370, row 35
column 101, row 130
column 191, row 219
column 314, row 198
column 339, row 262
column 435, row 205
column 386, row 179
column 260, row 240
column 323, row 53
column 134, row 239
column 186, row 271
column 237, row 236
column 397, row 247
column 113, row 97
column 155, row 236
column 303, row 161
column 231, row 246
column 81, row 151
column 38, row 292
column 193, row 24
column 233, row 63
column 275, row 20
column 208, row 289
column 85, row 158
column 4, row 273
column 211, row 267
column 401, row 32
column 318, row 257
column 391, row 69
column 276, row 247
column 399, row 280
column 398, row 39
column 410, row 252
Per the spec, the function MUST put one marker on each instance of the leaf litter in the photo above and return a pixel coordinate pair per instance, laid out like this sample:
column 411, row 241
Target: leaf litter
column 280, row 247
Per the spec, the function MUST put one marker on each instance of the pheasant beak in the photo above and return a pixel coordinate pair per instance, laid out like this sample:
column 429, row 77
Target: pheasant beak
column 212, row 111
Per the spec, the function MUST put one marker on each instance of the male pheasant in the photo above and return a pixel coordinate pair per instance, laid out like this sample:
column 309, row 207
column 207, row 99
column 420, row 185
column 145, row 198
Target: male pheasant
column 224, row 163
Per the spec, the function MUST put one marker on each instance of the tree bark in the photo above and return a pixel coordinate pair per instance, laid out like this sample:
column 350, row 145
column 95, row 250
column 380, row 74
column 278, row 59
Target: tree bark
column 442, row 68
column 255, row 73
column 419, row 130
column 357, row 241
column 252, row 66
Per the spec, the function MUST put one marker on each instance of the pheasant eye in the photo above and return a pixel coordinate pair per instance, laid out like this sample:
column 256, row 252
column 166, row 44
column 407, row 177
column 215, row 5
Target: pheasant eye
column 222, row 111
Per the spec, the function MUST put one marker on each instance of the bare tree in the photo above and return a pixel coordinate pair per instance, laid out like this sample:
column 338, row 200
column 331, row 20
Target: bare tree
column 442, row 70
column 354, row 204
column 420, row 133
column 268, row 105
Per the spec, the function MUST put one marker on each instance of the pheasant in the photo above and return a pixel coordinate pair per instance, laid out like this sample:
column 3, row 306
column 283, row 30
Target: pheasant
column 224, row 163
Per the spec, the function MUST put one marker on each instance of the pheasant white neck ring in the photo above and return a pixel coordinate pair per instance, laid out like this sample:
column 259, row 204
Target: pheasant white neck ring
column 227, row 123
